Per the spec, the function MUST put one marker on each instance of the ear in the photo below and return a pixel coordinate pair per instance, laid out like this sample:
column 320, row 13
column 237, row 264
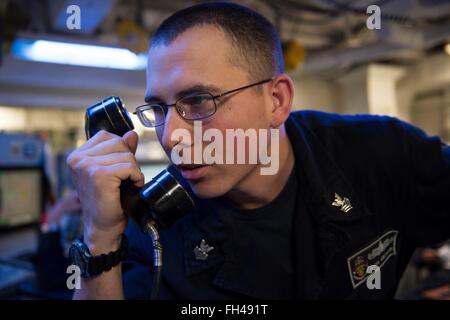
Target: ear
column 282, row 95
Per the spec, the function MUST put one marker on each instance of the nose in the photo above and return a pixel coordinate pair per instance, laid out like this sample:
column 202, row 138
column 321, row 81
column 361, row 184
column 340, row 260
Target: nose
column 173, row 121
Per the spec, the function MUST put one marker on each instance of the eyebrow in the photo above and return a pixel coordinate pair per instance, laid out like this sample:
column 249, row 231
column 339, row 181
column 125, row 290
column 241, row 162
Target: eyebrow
column 198, row 88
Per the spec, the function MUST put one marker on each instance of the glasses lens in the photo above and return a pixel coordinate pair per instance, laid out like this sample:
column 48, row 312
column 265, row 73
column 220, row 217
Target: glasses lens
column 152, row 116
column 196, row 107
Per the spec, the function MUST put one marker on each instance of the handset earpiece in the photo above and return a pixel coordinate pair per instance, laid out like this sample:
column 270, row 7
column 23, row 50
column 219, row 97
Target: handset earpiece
column 110, row 115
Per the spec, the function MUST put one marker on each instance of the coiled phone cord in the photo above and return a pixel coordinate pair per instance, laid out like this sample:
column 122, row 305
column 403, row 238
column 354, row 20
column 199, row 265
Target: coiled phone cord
column 152, row 231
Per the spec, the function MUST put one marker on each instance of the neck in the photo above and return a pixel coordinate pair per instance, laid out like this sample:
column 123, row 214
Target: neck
column 256, row 190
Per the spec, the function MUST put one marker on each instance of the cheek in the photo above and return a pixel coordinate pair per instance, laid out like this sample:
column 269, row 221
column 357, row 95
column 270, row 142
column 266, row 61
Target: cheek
column 159, row 132
column 244, row 117
column 249, row 113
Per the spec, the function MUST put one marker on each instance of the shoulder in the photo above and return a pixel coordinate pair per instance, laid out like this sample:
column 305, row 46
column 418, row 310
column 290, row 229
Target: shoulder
column 364, row 147
column 360, row 130
column 318, row 120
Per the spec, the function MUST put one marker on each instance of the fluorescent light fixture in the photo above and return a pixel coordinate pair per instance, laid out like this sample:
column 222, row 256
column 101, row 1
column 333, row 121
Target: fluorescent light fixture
column 12, row 118
column 78, row 54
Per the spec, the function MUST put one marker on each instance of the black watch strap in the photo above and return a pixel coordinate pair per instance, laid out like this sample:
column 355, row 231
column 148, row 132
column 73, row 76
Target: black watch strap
column 104, row 262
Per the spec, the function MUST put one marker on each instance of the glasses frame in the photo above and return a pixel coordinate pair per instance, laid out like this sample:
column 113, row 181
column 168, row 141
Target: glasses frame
column 148, row 106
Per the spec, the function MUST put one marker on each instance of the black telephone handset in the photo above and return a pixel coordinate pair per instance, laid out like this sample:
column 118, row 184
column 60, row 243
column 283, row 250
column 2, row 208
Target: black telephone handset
column 162, row 200
column 160, row 203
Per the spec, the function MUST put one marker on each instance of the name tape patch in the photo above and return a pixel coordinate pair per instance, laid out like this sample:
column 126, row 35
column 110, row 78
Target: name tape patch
column 377, row 253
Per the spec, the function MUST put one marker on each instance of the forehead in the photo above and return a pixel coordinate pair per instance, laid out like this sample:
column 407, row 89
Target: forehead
column 200, row 55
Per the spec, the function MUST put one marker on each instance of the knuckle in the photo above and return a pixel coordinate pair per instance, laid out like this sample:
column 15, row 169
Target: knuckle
column 129, row 167
column 83, row 165
column 95, row 172
column 123, row 145
column 104, row 134
column 95, row 175
column 72, row 159
column 117, row 144
column 133, row 166
column 130, row 157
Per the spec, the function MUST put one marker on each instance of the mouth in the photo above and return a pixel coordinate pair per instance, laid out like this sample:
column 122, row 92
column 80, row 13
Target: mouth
column 191, row 171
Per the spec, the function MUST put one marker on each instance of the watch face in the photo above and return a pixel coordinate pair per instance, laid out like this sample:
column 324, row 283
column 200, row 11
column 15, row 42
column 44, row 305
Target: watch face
column 79, row 256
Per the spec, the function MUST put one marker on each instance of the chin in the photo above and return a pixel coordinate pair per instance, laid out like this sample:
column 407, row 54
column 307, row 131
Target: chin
column 207, row 189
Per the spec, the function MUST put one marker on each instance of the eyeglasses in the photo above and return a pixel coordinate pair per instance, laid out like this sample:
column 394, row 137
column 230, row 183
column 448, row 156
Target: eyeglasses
column 196, row 106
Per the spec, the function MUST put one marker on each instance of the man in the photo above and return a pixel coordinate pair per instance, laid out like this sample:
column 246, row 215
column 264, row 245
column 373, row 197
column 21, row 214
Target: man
column 351, row 193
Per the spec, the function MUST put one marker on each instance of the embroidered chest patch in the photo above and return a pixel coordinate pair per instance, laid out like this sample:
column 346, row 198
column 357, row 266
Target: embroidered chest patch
column 376, row 253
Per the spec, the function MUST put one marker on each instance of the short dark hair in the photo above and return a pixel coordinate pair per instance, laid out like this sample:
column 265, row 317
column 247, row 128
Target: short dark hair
column 253, row 37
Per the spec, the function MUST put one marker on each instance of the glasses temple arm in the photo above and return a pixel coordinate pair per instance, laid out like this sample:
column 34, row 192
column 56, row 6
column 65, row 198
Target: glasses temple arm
column 242, row 88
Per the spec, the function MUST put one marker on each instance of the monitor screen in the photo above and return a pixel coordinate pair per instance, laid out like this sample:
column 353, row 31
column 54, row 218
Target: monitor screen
column 20, row 196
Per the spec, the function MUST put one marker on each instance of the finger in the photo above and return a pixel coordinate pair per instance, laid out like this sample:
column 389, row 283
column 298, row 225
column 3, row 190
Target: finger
column 113, row 158
column 131, row 139
column 107, row 147
column 126, row 171
column 99, row 137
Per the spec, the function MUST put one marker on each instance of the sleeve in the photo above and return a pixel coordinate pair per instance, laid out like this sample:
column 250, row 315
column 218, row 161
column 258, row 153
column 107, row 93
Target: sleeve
column 50, row 263
column 428, row 219
column 137, row 270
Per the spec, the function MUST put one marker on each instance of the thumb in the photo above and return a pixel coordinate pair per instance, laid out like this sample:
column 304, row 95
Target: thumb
column 131, row 139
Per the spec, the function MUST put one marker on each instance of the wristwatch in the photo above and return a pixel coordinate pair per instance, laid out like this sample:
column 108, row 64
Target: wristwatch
column 90, row 265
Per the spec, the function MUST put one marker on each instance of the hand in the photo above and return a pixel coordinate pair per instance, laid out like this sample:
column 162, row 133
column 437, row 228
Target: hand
column 98, row 168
